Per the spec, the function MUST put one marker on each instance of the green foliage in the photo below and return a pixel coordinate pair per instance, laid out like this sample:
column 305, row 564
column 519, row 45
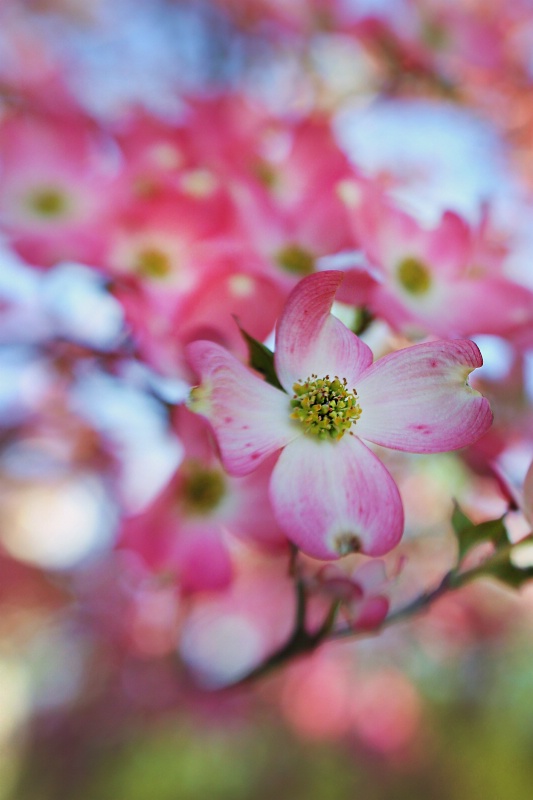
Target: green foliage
column 469, row 535
column 261, row 359
column 500, row 565
column 509, row 573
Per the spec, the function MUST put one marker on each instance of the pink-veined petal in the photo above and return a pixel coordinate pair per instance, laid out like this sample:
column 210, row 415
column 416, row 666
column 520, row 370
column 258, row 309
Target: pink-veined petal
column 250, row 418
column 419, row 400
column 309, row 340
column 336, row 497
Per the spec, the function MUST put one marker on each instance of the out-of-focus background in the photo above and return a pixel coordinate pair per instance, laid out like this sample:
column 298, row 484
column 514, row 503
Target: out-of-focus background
column 165, row 164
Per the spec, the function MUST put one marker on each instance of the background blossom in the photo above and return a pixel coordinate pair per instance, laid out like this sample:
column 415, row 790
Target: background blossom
column 165, row 168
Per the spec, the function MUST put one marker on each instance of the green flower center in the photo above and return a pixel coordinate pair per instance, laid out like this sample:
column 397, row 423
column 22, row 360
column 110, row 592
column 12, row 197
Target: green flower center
column 202, row 489
column 153, row 263
column 414, row 276
column 296, row 260
column 266, row 174
column 48, row 202
column 325, row 407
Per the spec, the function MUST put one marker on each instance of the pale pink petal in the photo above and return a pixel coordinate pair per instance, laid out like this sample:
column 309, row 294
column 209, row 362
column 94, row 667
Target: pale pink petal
column 461, row 307
column 448, row 247
column 387, row 233
column 309, row 340
column 488, row 305
column 335, row 497
column 250, row 418
column 418, row 399
column 371, row 576
column 249, row 515
column 202, row 558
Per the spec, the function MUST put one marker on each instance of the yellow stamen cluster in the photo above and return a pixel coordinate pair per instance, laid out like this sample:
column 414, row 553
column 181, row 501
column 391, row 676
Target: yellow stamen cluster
column 325, row 407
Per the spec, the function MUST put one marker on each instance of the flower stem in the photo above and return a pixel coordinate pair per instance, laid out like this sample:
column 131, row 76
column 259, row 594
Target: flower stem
column 301, row 641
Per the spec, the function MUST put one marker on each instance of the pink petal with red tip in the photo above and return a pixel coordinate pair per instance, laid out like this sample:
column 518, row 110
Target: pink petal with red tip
column 309, row 340
column 372, row 613
column 251, row 419
column 419, row 400
column 336, row 497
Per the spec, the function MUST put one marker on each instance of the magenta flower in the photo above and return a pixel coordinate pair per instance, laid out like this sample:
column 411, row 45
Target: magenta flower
column 330, row 493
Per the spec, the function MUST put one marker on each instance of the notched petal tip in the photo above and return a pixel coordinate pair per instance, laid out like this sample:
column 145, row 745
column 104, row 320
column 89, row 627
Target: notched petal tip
column 310, row 340
column 347, row 542
column 336, row 498
column 419, row 399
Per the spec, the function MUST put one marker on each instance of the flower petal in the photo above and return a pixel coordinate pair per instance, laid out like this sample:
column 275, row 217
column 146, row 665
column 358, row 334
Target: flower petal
column 336, row 497
column 202, row 558
column 310, row 340
column 418, row 399
column 448, row 247
column 250, row 418
column 488, row 305
column 461, row 307
column 371, row 613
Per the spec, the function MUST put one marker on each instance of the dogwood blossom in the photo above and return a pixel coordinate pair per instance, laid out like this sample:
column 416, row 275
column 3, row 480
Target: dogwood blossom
column 330, row 493
column 448, row 280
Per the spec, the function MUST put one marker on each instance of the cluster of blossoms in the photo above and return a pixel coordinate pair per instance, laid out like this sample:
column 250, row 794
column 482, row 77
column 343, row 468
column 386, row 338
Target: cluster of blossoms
column 329, row 491
column 209, row 229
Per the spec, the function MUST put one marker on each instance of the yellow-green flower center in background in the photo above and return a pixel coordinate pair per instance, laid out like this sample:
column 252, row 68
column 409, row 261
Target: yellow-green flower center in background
column 153, row 263
column 296, row 260
column 202, row 489
column 48, row 202
column 414, row 276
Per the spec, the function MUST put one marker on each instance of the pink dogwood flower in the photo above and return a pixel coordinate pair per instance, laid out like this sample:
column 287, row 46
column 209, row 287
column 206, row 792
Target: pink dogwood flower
column 331, row 494
column 447, row 281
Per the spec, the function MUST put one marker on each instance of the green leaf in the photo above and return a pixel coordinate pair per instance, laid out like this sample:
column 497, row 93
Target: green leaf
column 261, row 359
column 468, row 535
column 364, row 318
column 460, row 521
column 509, row 574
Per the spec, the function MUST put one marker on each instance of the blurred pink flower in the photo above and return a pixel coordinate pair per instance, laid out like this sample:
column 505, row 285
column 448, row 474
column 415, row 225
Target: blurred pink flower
column 448, row 281
column 58, row 184
column 361, row 592
column 330, row 492
column 187, row 530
